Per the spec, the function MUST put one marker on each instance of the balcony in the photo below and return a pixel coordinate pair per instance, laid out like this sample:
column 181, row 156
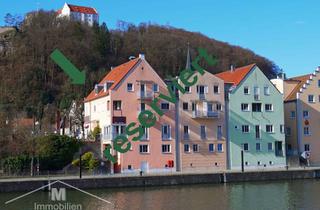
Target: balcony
column 108, row 138
column 256, row 97
column 205, row 114
column 146, row 95
column 202, row 96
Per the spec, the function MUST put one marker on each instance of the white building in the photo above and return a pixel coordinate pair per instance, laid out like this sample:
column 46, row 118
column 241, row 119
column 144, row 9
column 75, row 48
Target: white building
column 87, row 15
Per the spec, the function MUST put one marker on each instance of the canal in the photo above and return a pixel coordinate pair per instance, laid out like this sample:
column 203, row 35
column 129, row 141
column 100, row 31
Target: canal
column 297, row 194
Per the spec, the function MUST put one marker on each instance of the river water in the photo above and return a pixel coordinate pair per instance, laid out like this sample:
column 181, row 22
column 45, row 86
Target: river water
column 298, row 194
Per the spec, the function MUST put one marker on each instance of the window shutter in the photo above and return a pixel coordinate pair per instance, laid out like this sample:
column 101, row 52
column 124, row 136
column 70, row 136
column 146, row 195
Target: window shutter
column 206, row 89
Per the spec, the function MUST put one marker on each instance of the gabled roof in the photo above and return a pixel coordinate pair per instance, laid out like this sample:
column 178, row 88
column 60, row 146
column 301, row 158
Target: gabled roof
column 300, row 80
column 116, row 75
column 235, row 76
column 82, row 9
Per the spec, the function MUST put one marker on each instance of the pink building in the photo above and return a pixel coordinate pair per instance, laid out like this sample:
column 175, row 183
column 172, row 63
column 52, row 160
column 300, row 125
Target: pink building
column 117, row 101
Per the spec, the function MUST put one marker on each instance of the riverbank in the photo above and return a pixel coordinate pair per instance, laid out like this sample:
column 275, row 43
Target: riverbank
column 96, row 182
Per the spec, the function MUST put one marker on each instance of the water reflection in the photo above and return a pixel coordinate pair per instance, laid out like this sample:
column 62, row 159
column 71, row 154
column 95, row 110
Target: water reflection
column 298, row 194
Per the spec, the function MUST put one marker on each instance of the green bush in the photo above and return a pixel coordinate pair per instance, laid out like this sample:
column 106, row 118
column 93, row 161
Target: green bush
column 87, row 161
column 56, row 151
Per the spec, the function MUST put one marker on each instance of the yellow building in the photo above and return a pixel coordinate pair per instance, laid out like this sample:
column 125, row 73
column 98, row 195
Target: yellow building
column 302, row 116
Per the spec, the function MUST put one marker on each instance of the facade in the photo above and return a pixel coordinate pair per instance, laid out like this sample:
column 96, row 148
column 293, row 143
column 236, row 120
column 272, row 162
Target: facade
column 87, row 15
column 202, row 124
column 117, row 101
column 254, row 118
column 302, row 108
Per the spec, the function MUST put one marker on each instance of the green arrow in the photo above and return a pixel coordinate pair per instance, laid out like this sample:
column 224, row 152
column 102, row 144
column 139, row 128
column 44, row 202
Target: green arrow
column 77, row 77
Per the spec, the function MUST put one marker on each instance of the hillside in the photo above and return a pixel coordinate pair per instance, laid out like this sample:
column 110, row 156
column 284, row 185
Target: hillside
column 31, row 82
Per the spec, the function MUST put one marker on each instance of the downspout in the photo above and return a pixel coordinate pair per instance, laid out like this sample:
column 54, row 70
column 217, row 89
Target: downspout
column 177, row 131
column 299, row 123
column 227, row 129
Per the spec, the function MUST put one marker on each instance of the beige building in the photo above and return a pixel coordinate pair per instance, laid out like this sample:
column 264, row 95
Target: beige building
column 302, row 116
column 202, row 124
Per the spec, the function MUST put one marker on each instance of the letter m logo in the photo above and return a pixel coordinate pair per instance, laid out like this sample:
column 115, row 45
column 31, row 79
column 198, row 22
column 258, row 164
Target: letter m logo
column 58, row 195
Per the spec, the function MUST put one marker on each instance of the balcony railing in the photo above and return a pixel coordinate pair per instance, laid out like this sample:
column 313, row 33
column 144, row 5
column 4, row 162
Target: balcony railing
column 110, row 137
column 205, row 114
column 186, row 136
column 257, row 97
column 145, row 95
column 166, row 136
column 202, row 96
column 279, row 153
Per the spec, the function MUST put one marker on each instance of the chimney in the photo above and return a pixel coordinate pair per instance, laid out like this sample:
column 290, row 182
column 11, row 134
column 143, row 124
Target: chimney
column 232, row 68
column 105, row 87
column 141, row 55
column 96, row 89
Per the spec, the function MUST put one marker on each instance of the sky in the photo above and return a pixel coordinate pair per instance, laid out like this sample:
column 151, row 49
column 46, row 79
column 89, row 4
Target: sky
column 286, row 32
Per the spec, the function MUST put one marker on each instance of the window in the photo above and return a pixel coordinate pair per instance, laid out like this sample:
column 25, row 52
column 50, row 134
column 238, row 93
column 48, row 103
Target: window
column 307, row 147
column 203, row 131
column 211, row 147
column 319, row 98
column 306, row 131
column 256, row 92
column 186, row 148
column 218, row 107
column 165, row 106
column 281, row 128
column 216, row 89
column 268, row 107
column 219, row 132
column 193, row 106
column 311, row 99
column 186, row 132
column 166, row 148
column 166, row 132
column 246, row 90
column 119, row 129
column 117, row 105
column 305, row 114
column 292, row 114
column 142, row 107
column 129, row 87
column 256, row 107
column 269, row 129
column 195, row 148
column 185, row 106
column 258, row 131
column 245, row 147
column 270, row 146
column 266, row 90
column 288, row 131
column 155, row 88
column 94, row 108
column 220, row 148
column 187, row 89
column 319, row 83
column 245, row 107
column 258, row 147
column 144, row 148
column 245, row 128
column 108, row 105
column 146, row 133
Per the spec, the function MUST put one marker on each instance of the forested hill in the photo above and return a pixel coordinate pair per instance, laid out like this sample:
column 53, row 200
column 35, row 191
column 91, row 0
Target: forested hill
column 31, row 81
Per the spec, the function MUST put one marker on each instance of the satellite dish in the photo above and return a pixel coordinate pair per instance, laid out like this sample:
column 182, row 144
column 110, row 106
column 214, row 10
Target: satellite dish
column 132, row 57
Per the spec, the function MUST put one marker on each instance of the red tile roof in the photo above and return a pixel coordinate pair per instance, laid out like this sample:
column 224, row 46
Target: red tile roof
column 81, row 9
column 115, row 75
column 59, row 11
column 300, row 81
column 236, row 76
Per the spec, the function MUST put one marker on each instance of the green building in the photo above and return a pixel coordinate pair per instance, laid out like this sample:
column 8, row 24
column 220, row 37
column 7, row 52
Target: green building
column 254, row 119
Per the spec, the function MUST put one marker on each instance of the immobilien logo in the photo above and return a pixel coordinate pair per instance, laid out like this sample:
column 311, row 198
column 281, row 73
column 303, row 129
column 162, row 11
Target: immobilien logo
column 57, row 198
